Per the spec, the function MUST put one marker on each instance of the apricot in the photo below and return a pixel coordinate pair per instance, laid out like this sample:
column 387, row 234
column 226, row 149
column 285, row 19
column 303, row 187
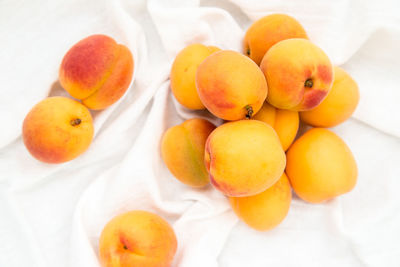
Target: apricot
column 269, row 30
column 137, row 238
column 231, row 85
column 338, row 106
column 57, row 129
column 182, row 149
column 265, row 210
column 284, row 122
column 299, row 74
column 320, row 166
column 97, row 71
column 244, row 157
column 183, row 73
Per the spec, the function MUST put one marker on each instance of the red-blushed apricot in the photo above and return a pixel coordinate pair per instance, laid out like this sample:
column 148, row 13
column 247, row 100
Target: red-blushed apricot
column 269, row 30
column 97, row 71
column 338, row 106
column 244, row 157
column 320, row 166
column 57, row 129
column 299, row 74
column 137, row 239
column 230, row 85
column 182, row 149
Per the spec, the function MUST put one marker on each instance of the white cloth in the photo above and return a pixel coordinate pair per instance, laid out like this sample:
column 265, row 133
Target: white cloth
column 52, row 215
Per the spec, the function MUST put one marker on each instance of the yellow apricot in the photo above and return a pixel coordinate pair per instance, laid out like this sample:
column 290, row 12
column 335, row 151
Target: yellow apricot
column 266, row 210
column 183, row 73
column 320, row 166
column 284, row 122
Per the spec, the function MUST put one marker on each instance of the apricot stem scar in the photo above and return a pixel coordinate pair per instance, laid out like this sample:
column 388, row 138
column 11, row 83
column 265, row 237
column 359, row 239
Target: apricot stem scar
column 308, row 83
column 75, row 122
column 249, row 111
column 248, row 51
column 125, row 247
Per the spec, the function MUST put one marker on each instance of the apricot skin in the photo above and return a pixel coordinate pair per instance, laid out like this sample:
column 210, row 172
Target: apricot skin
column 183, row 72
column 244, row 157
column 229, row 84
column 97, row 70
column 48, row 134
column 299, row 74
column 338, row 106
column 182, row 149
column 320, row 166
column 269, row 30
column 137, row 239
column 284, row 122
column 266, row 210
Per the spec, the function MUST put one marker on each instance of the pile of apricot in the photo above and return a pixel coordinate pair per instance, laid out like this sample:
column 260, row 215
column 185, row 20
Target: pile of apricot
column 253, row 158
column 262, row 94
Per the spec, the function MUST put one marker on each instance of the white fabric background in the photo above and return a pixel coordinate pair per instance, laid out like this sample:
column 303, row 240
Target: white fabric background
column 52, row 215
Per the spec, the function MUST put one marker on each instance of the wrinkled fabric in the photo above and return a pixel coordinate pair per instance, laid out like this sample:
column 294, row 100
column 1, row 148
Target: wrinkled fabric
column 52, row 215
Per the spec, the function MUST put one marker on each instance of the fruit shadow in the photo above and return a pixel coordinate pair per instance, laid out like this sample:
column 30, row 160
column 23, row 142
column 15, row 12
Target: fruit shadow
column 302, row 129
